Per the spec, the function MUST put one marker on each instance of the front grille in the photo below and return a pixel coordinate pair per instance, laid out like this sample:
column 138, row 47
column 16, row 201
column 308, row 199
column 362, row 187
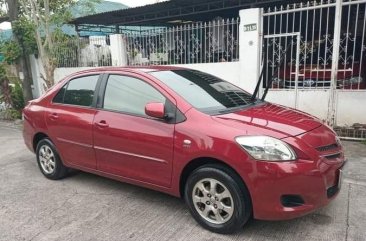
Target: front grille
column 327, row 148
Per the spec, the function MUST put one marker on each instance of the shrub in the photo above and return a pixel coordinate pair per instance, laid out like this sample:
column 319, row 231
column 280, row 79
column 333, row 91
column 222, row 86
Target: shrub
column 12, row 114
column 17, row 97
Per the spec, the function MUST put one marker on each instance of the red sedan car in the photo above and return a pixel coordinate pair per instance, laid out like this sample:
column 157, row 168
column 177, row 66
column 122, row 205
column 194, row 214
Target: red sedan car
column 191, row 135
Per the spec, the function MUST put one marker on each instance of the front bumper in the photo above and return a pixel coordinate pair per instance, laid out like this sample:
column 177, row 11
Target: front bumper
column 314, row 183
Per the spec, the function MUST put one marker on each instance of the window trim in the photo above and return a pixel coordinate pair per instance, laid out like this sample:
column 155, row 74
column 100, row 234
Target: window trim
column 103, row 88
column 96, row 91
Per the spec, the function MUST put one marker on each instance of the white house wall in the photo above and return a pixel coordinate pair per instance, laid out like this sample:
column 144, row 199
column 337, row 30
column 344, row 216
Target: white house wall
column 351, row 107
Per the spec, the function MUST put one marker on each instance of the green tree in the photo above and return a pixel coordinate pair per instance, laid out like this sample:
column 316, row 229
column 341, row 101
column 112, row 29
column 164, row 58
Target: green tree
column 11, row 92
column 47, row 17
column 20, row 56
column 37, row 26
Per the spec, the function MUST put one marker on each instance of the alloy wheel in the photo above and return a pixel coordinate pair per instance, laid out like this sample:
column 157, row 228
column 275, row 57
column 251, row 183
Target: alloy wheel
column 213, row 201
column 47, row 159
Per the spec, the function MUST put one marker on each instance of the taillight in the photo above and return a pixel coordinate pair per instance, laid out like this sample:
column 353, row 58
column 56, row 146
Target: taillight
column 29, row 103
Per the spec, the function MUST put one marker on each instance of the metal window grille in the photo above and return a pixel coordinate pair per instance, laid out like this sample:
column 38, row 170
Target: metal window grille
column 209, row 42
column 84, row 52
column 315, row 22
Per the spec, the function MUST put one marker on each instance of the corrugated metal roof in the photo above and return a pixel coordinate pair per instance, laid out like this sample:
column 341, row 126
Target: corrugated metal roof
column 163, row 12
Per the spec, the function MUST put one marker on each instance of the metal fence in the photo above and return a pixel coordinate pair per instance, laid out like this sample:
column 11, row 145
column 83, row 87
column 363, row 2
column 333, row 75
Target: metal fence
column 308, row 57
column 93, row 51
column 355, row 132
column 210, row 42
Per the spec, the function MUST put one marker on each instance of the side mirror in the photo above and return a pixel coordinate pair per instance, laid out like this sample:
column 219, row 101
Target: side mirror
column 155, row 109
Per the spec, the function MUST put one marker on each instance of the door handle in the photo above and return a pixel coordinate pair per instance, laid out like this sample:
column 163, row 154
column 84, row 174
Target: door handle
column 53, row 116
column 102, row 124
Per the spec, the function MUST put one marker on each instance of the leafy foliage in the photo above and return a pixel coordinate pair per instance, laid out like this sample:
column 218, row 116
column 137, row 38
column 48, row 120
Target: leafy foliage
column 45, row 18
column 37, row 27
column 11, row 94
column 4, row 87
column 17, row 98
column 2, row 72
column 12, row 114
column 4, row 96
column 25, row 32
column 11, row 51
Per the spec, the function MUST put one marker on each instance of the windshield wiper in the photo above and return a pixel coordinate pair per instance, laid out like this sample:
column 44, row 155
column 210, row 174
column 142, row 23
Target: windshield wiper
column 256, row 90
column 269, row 83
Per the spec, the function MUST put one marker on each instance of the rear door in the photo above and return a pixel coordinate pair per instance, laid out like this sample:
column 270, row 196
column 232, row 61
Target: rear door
column 69, row 120
column 127, row 142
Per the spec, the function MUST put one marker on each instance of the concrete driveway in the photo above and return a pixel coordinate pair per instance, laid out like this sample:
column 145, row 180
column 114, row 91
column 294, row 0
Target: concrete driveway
column 88, row 207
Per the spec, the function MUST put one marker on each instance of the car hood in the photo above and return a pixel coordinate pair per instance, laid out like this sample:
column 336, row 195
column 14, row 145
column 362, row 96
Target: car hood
column 270, row 119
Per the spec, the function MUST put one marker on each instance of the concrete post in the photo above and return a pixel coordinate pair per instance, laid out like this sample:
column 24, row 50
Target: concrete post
column 250, row 44
column 332, row 105
column 118, row 50
column 37, row 71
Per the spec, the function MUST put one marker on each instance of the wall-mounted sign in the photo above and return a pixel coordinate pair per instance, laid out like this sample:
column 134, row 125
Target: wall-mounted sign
column 250, row 27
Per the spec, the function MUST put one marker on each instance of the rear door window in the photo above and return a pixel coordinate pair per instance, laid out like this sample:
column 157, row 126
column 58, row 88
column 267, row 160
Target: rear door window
column 79, row 91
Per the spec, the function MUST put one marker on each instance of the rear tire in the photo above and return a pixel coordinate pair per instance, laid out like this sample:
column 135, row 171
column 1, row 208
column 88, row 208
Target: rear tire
column 49, row 161
column 218, row 199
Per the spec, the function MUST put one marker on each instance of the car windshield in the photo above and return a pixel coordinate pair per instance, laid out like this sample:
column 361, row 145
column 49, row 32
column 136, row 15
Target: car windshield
column 207, row 93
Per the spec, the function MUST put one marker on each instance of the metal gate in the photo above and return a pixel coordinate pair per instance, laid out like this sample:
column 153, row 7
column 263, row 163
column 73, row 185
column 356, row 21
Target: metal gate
column 327, row 59
column 278, row 50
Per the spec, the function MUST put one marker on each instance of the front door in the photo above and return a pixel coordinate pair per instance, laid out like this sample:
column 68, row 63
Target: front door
column 127, row 142
column 69, row 121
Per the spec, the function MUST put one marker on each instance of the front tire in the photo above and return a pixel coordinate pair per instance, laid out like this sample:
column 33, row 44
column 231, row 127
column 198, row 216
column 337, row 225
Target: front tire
column 218, row 199
column 49, row 161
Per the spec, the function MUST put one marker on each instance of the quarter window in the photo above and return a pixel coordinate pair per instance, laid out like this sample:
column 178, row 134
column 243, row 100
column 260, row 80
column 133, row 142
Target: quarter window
column 59, row 98
column 79, row 91
column 130, row 95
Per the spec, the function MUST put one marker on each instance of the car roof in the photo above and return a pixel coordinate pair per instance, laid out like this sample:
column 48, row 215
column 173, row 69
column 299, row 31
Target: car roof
column 144, row 69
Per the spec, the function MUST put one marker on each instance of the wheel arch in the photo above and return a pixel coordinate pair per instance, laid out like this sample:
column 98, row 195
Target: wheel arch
column 37, row 138
column 201, row 161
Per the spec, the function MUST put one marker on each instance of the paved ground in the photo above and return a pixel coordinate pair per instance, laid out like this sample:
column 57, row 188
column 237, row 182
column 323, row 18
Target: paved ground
column 88, row 207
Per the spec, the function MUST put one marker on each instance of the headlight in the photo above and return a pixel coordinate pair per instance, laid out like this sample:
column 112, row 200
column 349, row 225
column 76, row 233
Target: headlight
column 266, row 148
